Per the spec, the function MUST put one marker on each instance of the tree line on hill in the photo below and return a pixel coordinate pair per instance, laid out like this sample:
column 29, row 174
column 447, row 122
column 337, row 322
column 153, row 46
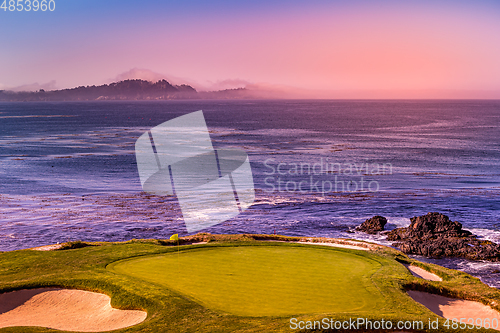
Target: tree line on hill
column 123, row 90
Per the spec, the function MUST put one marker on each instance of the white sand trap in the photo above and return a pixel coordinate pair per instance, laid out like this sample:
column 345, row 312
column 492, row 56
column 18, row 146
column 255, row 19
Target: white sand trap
column 346, row 246
column 422, row 273
column 47, row 247
column 64, row 309
column 450, row 308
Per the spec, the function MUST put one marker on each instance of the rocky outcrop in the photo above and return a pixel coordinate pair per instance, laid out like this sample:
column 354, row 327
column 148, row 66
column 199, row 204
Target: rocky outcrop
column 373, row 225
column 435, row 235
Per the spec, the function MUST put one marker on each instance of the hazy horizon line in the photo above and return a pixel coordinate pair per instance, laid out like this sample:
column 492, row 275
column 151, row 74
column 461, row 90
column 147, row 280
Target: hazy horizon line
column 276, row 91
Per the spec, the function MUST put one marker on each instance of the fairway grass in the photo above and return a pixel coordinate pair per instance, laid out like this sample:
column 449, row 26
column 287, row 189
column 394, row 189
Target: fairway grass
column 265, row 280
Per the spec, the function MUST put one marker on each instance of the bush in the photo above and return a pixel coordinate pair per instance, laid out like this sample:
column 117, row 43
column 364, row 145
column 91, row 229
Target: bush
column 74, row 245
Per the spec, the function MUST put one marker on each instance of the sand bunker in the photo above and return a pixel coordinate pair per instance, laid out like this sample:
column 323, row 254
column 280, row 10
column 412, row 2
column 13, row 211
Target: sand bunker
column 450, row 308
column 422, row 273
column 346, row 246
column 64, row 309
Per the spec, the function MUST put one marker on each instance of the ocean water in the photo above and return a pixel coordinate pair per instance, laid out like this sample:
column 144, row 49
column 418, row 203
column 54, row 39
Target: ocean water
column 320, row 168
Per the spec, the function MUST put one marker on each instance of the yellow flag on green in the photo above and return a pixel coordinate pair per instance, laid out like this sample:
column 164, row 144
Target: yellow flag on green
column 174, row 237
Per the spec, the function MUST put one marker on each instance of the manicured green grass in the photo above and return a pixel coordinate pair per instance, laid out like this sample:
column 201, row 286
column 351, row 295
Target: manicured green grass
column 265, row 280
column 278, row 280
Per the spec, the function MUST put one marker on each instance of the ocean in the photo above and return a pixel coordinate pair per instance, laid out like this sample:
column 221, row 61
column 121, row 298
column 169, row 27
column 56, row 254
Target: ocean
column 320, row 168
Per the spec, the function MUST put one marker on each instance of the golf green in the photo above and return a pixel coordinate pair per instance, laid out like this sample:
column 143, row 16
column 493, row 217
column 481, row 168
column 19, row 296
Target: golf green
column 265, row 280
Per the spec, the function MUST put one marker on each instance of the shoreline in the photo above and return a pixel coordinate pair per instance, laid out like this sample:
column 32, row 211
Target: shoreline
column 204, row 238
column 485, row 271
column 80, row 259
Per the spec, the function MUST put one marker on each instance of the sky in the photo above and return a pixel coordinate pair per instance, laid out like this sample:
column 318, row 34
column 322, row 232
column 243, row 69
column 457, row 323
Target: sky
column 301, row 49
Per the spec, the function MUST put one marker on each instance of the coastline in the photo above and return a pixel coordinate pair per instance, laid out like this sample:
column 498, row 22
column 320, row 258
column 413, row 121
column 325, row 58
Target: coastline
column 466, row 292
column 486, row 271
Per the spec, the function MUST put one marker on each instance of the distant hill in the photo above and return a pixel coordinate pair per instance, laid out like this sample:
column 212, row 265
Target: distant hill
column 122, row 90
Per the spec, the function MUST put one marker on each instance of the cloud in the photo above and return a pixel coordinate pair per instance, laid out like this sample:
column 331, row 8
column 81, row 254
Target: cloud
column 51, row 85
column 270, row 91
column 263, row 90
column 226, row 84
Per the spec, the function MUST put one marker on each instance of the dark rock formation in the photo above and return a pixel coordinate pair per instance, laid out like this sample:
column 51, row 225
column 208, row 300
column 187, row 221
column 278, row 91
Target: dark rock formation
column 435, row 235
column 373, row 225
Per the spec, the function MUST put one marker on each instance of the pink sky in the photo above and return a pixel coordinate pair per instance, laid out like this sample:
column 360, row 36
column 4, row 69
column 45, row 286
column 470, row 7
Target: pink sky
column 385, row 51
